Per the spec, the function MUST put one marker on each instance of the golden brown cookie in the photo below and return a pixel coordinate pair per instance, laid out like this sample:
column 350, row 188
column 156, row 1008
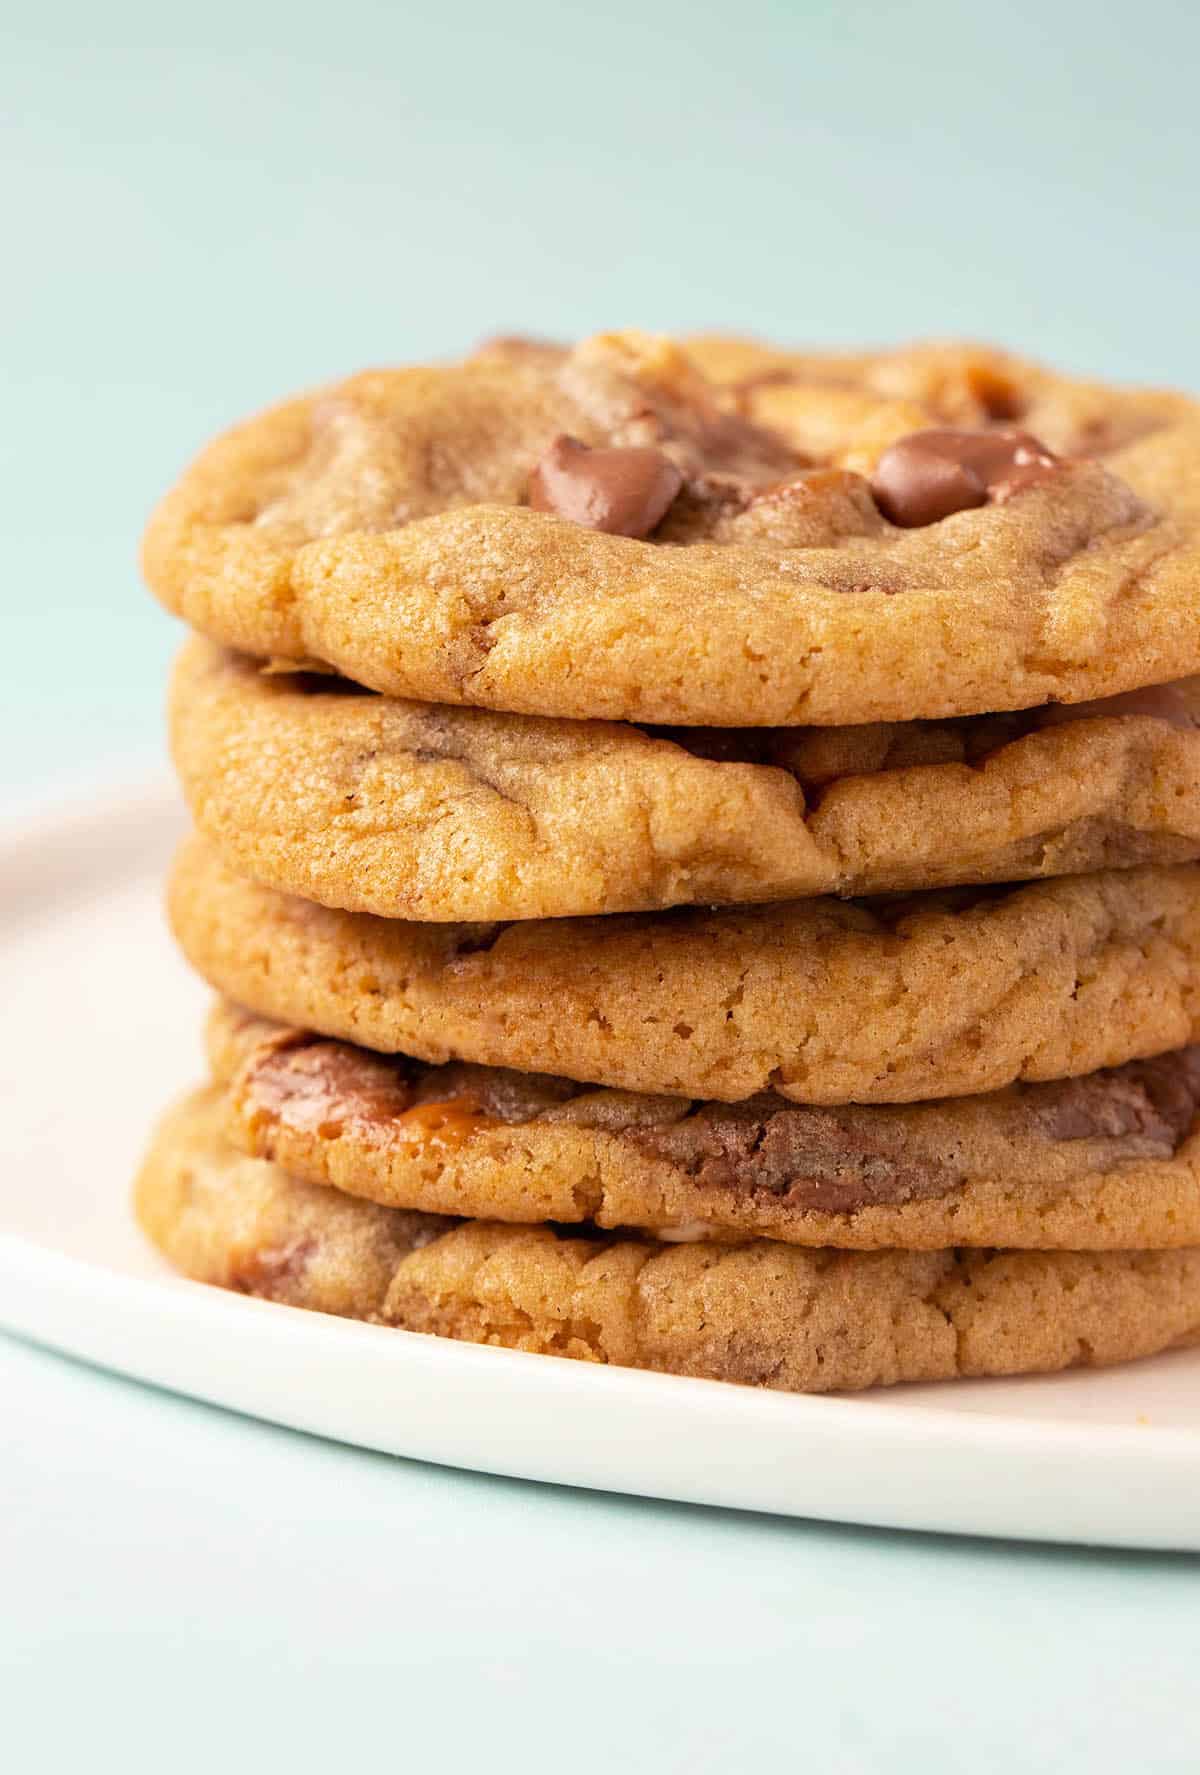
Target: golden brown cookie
column 761, row 1313
column 606, row 534
column 221, row 1217
column 823, row 1001
column 1106, row 1162
column 413, row 810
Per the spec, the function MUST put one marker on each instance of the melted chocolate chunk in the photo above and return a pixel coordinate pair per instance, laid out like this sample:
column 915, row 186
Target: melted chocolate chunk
column 826, row 1160
column 329, row 1088
column 270, row 1271
column 930, row 474
column 808, row 1158
column 1149, row 1101
column 625, row 492
column 325, row 1088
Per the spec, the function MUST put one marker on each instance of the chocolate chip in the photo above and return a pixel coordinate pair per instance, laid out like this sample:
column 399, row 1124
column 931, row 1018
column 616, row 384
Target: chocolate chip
column 626, row 492
column 928, row 475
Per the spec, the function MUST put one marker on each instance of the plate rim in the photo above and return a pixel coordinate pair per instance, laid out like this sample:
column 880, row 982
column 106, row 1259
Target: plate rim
column 95, row 1282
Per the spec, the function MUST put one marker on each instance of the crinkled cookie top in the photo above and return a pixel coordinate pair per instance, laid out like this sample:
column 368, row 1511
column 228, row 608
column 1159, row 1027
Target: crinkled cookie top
column 718, row 534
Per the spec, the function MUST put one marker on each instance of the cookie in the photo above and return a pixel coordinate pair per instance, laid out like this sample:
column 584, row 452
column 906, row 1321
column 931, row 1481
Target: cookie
column 760, row 1313
column 823, row 1001
column 412, row 810
column 223, row 1218
column 604, row 534
column 1106, row 1162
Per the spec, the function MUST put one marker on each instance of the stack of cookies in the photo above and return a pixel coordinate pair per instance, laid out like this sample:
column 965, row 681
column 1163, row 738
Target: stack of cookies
column 696, row 848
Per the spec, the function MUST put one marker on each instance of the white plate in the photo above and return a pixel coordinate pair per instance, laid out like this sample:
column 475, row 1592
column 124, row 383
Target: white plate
column 102, row 1023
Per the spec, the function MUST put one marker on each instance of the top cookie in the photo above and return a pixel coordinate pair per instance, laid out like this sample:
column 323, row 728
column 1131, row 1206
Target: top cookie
column 791, row 540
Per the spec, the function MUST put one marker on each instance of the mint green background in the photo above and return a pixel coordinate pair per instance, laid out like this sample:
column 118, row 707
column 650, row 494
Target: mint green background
column 206, row 207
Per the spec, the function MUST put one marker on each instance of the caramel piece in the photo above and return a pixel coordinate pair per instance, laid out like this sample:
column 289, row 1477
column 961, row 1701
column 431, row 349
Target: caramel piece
column 444, row 1126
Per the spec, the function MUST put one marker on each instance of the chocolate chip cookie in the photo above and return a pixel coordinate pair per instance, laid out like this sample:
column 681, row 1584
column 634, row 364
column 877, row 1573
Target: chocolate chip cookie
column 760, row 1313
column 607, row 532
column 1106, row 1162
column 426, row 811
column 822, row 1001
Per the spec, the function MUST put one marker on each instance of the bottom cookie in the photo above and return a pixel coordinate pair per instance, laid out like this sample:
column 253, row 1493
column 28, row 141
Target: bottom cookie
column 760, row 1313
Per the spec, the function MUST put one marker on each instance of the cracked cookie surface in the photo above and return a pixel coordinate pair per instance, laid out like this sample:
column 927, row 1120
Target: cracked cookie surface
column 760, row 1313
column 420, row 811
column 1106, row 1162
column 823, row 1001
column 383, row 527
